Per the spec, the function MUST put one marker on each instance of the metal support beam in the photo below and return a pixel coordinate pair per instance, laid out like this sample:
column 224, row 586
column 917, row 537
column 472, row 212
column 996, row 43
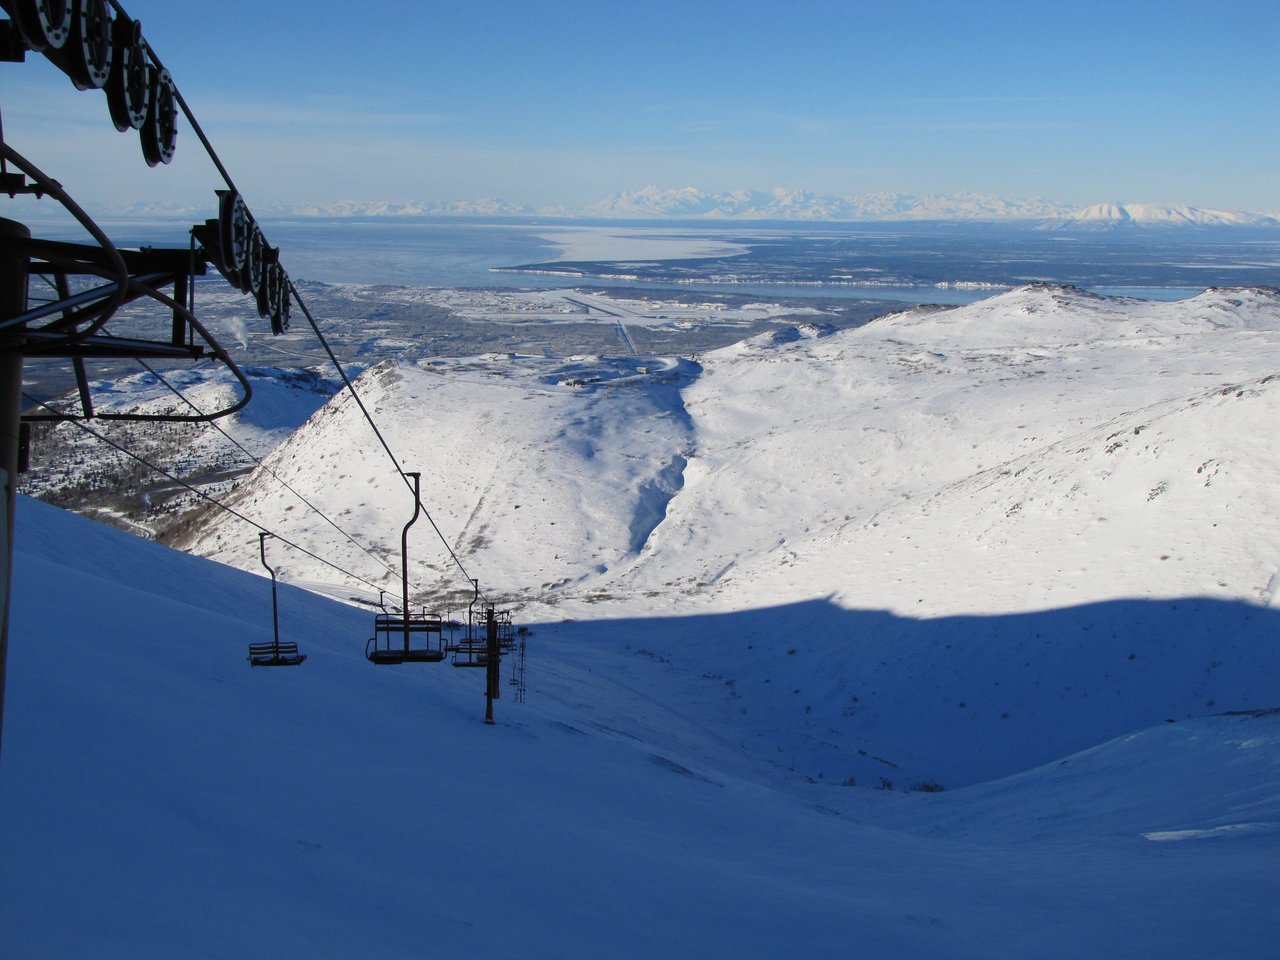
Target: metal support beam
column 13, row 301
column 493, row 661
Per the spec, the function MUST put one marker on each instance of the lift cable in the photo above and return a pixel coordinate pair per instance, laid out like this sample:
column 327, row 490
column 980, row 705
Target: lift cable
column 297, row 297
column 54, row 189
column 293, row 290
column 284, row 483
column 186, row 110
column 204, row 496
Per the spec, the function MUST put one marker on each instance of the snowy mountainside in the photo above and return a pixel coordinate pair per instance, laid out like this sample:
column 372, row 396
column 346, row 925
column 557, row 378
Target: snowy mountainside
column 1164, row 215
column 821, row 463
column 950, row 635
column 69, row 467
column 1045, row 494
column 839, row 448
column 157, row 791
column 574, row 460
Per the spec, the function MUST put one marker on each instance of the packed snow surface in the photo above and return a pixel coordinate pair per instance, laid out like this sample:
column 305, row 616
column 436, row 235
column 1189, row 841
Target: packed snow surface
column 951, row 635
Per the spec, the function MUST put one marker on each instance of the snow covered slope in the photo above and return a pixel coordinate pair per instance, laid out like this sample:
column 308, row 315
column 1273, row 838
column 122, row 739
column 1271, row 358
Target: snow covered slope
column 161, row 798
column 71, row 468
column 573, row 460
column 1163, row 215
column 1040, row 448
column 781, row 594
column 1045, row 501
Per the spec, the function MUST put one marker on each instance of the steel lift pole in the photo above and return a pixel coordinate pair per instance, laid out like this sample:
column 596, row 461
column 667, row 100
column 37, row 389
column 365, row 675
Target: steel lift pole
column 14, row 270
column 275, row 615
column 404, row 558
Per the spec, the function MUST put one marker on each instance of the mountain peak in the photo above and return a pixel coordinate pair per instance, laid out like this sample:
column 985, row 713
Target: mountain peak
column 1154, row 214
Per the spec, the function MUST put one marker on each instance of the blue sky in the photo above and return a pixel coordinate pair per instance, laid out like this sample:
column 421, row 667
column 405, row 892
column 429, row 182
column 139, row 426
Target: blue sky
column 565, row 103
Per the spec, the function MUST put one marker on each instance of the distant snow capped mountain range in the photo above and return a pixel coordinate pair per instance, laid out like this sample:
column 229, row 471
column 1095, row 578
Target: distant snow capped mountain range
column 780, row 204
column 691, row 203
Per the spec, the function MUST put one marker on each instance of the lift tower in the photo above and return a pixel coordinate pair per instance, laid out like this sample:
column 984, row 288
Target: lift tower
column 98, row 47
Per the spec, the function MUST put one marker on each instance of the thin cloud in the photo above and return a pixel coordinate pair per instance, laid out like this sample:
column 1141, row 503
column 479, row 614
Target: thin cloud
column 971, row 126
column 346, row 113
column 985, row 99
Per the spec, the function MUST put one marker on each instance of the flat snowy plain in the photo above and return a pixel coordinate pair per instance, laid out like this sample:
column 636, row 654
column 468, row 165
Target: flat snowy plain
column 1025, row 550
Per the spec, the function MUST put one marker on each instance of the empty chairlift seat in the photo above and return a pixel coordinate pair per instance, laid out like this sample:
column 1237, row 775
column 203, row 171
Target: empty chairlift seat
column 277, row 653
column 397, row 640
column 404, row 638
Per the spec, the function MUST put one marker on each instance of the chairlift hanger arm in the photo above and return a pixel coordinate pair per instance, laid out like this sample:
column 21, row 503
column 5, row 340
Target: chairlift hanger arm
column 404, row 554
column 262, row 546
